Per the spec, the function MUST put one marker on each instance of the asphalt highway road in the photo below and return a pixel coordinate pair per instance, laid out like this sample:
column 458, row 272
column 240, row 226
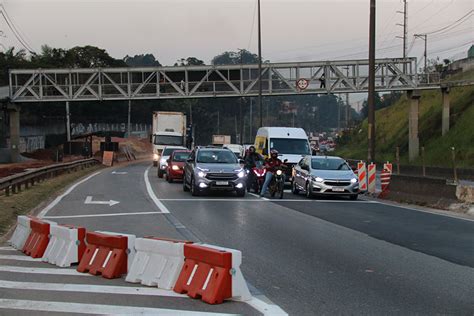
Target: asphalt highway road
column 309, row 257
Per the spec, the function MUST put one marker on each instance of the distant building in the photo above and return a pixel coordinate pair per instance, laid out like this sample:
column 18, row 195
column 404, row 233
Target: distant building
column 470, row 52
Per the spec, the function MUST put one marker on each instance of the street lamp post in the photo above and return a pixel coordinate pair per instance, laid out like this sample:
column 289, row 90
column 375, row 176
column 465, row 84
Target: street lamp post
column 260, row 66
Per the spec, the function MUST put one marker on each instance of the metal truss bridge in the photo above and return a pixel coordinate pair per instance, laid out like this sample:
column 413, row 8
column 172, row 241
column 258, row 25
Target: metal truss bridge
column 350, row 76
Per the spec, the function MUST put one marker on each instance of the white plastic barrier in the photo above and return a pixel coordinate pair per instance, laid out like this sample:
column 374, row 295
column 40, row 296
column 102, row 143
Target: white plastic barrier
column 66, row 245
column 130, row 248
column 21, row 233
column 240, row 290
column 157, row 263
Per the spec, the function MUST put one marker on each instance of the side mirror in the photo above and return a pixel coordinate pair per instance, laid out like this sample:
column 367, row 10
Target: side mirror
column 241, row 161
column 285, row 161
column 189, row 160
column 168, row 160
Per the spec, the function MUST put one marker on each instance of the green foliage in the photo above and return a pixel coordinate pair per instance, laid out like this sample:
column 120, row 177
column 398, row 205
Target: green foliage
column 392, row 130
column 242, row 56
column 142, row 60
column 190, row 61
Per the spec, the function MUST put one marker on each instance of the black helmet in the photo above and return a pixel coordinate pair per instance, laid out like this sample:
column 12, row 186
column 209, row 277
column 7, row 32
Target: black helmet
column 252, row 149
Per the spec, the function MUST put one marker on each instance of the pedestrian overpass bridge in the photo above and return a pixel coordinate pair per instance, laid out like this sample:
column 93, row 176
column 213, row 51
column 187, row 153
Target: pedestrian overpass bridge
column 207, row 81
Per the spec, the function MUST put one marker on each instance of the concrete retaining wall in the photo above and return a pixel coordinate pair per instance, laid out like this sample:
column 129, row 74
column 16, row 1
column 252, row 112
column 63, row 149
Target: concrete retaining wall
column 422, row 190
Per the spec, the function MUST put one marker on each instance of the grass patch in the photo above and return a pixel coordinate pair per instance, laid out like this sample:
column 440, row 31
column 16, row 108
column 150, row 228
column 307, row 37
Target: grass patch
column 25, row 201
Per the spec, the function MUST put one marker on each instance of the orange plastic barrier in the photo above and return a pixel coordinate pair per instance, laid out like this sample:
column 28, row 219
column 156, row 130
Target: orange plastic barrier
column 385, row 179
column 105, row 254
column 38, row 239
column 372, row 174
column 206, row 273
column 362, row 174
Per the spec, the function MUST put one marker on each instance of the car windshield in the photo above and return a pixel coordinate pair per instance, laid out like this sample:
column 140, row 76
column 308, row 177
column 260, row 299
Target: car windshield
column 329, row 164
column 168, row 140
column 180, row 156
column 168, row 151
column 216, row 156
column 290, row 146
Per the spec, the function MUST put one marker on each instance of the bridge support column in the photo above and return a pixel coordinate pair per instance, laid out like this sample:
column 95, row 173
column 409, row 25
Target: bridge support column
column 446, row 110
column 14, row 115
column 413, row 114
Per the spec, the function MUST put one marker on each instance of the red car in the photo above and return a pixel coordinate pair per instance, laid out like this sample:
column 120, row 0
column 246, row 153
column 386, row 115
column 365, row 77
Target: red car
column 176, row 162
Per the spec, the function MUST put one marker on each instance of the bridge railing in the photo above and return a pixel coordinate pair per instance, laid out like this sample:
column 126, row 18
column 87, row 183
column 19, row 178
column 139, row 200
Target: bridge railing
column 41, row 85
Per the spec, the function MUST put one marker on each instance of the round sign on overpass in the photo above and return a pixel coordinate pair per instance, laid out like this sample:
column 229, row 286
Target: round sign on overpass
column 302, row 84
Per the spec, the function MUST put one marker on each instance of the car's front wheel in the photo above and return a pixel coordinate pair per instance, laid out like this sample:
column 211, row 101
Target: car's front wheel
column 309, row 191
column 185, row 186
column 240, row 193
column 354, row 197
column 194, row 188
column 294, row 189
column 160, row 173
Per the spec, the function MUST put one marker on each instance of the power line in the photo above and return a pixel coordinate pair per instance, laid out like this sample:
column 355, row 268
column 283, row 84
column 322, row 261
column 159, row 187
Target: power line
column 14, row 29
column 466, row 16
column 435, row 14
column 253, row 25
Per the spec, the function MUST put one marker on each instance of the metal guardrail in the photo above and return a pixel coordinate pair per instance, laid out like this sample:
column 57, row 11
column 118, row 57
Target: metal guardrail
column 26, row 179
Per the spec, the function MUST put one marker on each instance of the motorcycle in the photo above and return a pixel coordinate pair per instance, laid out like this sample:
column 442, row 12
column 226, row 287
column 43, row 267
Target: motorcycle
column 257, row 178
column 277, row 184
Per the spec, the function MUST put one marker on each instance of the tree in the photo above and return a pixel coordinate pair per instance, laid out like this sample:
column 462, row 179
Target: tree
column 242, row 56
column 147, row 60
column 190, row 61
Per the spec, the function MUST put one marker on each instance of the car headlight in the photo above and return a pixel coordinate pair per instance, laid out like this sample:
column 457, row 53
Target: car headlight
column 241, row 174
column 175, row 167
column 353, row 180
column 318, row 179
column 156, row 156
column 279, row 172
column 201, row 174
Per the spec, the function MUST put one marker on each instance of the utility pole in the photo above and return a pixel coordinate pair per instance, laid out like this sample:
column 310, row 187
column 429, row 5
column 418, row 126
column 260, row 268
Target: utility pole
column 218, row 123
column 260, row 66
column 425, row 55
column 129, row 127
column 371, row 96
column 241, row 119
column 347, row 100
column 250, row 121
column 405, row 28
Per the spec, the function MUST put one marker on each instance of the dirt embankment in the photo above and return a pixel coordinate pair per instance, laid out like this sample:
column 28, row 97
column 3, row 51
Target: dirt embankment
column 45, row 157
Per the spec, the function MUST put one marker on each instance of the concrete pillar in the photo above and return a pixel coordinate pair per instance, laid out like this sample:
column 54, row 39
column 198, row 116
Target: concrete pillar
column 14, row 114
column 413, row 114
column 446, row 109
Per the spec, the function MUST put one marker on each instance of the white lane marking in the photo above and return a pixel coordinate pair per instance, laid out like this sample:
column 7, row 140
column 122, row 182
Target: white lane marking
column 152, row 195
column 99, row 309
column 265, row 308
column 103, row 215
column 19, row 258
column 109, row 202
column 267, row 200
column 51, row 271
column 7, row 248
column 59, row 198
column 119, row 172
column 424, row 211
column 88, row 288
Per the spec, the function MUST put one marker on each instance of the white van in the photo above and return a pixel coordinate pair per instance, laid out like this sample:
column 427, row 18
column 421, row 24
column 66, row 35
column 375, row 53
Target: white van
column 292, row 143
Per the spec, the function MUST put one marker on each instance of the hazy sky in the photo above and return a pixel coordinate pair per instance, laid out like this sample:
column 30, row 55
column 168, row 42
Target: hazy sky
column 291, row 29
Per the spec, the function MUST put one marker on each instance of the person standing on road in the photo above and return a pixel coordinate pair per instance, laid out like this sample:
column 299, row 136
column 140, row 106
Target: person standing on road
column 271, row 164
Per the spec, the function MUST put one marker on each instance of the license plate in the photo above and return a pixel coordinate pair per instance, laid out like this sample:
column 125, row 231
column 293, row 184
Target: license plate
column 222, row 182
column 338, row 189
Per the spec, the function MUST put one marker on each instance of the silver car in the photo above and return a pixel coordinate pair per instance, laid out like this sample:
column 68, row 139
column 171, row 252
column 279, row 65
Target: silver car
column 325, row 175
column 213, row 169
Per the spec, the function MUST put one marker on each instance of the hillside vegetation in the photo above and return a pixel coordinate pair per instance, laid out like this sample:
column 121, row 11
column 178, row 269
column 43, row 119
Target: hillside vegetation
column 392, row 129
